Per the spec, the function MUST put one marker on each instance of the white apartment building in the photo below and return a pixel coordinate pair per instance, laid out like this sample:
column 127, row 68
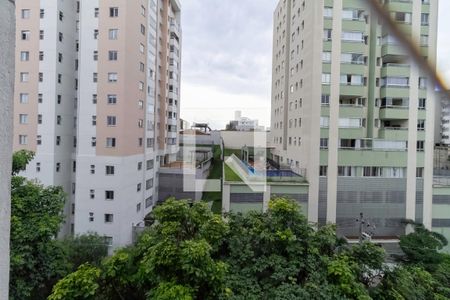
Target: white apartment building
column 97, row 99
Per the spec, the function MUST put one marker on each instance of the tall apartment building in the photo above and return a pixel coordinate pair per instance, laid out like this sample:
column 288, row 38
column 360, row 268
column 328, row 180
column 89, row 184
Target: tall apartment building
column 97, row 99
column 351, row 108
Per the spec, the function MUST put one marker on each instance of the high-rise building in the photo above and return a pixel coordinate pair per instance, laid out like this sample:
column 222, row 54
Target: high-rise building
column 352, row 110
column 97, row 99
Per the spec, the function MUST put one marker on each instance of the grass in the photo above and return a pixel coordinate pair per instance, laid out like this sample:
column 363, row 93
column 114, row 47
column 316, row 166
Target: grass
column 215, row 173
column 228, row 152
column 230, row 175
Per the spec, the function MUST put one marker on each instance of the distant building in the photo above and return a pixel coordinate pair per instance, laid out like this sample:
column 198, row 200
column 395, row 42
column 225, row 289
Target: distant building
column 445, row 119
column 243, row 123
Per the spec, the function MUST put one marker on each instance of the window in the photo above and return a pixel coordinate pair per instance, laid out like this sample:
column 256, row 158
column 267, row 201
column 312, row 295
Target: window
column 39, row 140
column 95, row 34
column 91, row 217
column 113, row 12
column 92, row 169
column 59, row 78
column 138, row 187
column 327, row 34
column 111, row 120
column 141, row 104
column 58, row 167
column 112, row 55
column 24, row 56
column 424, row 19
column 92, row 194
column 24, row 77
column 110, row 142
column 328, row 12
column 95, row 55
column 419, row 172
column 139, row 166
column 420, row 145
column 58, row 120
column 94, row 120
column 350, row 79
column 94, row 98
column 60, row 36
column 60, row 57
column 41, row 13
column 420, row 125
column 23, row 139
column 109, row 218
column 25, row 35
column 395, row 81
column 113, row 34
column 326, row 56
column 41, row 55
column 402, row 17
column 58, row 140
column 41, row 34
column 39, row 119
column 352, row 14
column 352, row 36
column 93, row 141
column 372, row 171
column 323, row 170
column 96, row 12
column 112, row 99
column 150, row 142
column 149, row 164
column 38, row 167
column 138, row 207
column 142, row 67
column 149, row 202
column 25, row 14
column 61, row 15
column 140, row 123
column 346, row 171
column 23, row 119
column 41, row 77
column 324, row 122
column 94, row 77
column 40, row 98
column 142, row 10
column 141, row 48
column 23, row 98
column 352, row 58
column 149, row 184
column 110, row 170
column 109, row 195
column 423, row 83
column 141, row 86
column 326, row 78
column 325, row 100
column 112, row 77
column 142, row 29
column 323, row 143
column 422, row 103
column 423, row 40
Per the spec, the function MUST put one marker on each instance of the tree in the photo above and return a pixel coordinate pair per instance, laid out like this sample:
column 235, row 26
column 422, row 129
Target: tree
column 37, row 259
column 422, row 247
column 87, row 248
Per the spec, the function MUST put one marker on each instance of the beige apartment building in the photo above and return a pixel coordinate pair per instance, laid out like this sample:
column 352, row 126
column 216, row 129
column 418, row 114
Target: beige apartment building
column 97, row 99
column 353, row 112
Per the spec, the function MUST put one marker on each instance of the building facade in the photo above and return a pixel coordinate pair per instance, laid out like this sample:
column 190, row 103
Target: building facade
column 350, row 107
column 97, row 99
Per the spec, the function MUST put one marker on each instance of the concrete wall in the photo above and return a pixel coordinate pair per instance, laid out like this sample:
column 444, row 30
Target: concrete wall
column 7, row 35
column 239, row 139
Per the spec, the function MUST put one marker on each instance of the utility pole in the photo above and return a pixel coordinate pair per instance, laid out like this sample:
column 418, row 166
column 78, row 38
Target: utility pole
column 7, row 39
column 363, row 224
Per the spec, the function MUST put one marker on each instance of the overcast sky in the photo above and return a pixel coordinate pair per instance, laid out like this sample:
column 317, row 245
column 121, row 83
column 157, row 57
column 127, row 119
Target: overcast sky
column 227, row 58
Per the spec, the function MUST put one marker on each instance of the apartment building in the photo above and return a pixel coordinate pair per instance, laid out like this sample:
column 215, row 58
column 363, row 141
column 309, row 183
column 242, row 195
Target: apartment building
column 97, row 99
column 353, row 111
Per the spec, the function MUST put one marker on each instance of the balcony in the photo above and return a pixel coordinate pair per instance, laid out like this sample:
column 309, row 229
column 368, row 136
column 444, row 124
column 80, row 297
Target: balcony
column 393, row 53
column 394, row 91
column 353, row 90
column 351, row 133
column 393, row 133
column 394, row 112
column 351, row 111
column 395, row 70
